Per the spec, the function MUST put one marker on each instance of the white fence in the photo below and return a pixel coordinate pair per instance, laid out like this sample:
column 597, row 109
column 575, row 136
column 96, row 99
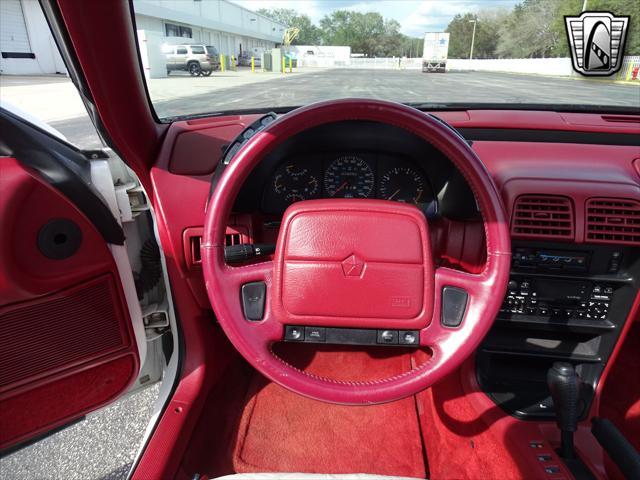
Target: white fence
column 386, row 63
column 538, row 66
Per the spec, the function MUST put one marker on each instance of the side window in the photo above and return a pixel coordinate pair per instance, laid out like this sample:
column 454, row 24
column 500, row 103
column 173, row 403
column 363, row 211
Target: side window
column 197, row 49
column 182, row 50
column 171, row 30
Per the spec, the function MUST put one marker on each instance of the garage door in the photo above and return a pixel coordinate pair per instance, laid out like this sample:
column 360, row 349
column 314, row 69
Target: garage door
column 13, row 31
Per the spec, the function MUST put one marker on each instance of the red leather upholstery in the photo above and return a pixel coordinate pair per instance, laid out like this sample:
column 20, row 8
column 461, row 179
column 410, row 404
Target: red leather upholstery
column 449, row 346
column 360, row 263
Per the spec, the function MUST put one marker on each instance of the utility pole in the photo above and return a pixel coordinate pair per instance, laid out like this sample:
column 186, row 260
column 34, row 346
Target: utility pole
column 473, row 37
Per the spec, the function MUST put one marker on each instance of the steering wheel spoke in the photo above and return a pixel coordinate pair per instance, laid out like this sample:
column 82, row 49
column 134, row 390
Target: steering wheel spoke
column 244, row 292
column 458, row 299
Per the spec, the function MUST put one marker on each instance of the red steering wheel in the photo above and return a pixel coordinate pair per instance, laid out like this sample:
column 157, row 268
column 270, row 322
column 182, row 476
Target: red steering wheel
column 363, row 264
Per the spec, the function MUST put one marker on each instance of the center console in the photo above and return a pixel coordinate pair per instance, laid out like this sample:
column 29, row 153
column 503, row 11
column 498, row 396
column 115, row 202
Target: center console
column 562, row 304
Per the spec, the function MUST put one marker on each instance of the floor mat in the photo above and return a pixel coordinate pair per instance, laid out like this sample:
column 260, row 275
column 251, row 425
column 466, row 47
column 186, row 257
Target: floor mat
column 284, row 432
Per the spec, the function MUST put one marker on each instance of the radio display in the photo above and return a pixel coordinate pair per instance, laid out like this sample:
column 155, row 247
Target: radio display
column 562, row 258
column 561, row 291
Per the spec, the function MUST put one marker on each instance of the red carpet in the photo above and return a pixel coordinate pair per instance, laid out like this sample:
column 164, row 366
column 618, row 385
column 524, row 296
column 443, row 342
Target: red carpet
column 283, row 432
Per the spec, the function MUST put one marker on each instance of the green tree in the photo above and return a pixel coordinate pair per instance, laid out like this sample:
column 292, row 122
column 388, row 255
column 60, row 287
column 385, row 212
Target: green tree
column 309, row 33
column 367, row 33
column 486, row 38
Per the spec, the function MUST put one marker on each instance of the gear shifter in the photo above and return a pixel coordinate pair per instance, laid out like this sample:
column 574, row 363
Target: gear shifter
column 564, row 384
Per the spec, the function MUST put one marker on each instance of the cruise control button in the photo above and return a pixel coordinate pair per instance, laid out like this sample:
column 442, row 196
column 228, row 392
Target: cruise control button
column 293, row 333
column 408, row 337
column 315, row 334
column 389, row 337
column 253, row 295
column 454, row 304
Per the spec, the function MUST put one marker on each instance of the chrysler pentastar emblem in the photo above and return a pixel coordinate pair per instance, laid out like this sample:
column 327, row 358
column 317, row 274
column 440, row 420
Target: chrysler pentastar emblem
column 597, row 42
column 352, row 266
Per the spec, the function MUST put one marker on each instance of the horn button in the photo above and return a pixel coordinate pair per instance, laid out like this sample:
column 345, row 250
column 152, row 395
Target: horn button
column 353, row 263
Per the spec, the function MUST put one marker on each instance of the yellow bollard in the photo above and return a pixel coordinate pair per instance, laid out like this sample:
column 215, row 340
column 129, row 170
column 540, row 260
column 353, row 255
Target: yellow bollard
column 221, row 62
column 290, row 67
column 283, row 68
column 233, row 62
column 253, row 65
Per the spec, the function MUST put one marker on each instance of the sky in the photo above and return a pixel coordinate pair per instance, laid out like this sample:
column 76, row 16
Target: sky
column 416, row 17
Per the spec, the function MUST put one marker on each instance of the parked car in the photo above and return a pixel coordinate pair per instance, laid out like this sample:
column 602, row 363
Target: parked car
column 244, row 59
column 195, row 59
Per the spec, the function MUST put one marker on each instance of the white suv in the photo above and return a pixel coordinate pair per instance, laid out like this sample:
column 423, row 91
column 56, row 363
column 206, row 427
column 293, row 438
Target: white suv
column 195, row 59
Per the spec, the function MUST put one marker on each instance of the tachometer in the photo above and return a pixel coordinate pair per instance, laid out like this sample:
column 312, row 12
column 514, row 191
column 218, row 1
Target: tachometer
column 349, row 177
column 404, row 184
column 294, row 183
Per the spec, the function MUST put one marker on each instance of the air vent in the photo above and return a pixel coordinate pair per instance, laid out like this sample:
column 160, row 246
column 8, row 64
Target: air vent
column 232, row 239
column 621, row 118
column 192, row 240
column 542, row 216
column 613, row 220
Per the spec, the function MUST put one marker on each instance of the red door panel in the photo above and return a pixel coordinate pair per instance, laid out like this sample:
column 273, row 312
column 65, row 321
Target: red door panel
column 66, row 342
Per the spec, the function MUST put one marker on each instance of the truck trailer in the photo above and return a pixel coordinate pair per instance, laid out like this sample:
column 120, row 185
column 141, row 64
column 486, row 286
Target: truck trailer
column 435, row 51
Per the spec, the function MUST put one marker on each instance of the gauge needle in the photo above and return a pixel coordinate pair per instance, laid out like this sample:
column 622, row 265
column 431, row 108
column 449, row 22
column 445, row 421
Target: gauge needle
column 344, row 184
column 417, row 199
column 394, row 194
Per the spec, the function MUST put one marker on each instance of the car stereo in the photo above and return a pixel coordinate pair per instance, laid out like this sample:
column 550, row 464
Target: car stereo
column 558, row 299
column 530, row 259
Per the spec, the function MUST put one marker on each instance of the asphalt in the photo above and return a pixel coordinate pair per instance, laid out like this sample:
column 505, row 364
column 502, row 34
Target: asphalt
column 406, row 86
column 103, row 446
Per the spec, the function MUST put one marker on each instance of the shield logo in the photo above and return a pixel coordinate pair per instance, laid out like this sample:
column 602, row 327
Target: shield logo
column 597, row 42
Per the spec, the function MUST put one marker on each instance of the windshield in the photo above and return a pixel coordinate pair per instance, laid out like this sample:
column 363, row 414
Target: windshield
column 563, row 54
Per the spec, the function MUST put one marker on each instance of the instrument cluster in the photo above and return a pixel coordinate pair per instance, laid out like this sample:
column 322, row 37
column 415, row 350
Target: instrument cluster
column 347, row 175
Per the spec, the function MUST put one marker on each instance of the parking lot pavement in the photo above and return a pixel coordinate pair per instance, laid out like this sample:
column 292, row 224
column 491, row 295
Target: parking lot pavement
column 181, row 94
column 180, row 84
column 49, row 97
column 408, row 86
column 101, row 447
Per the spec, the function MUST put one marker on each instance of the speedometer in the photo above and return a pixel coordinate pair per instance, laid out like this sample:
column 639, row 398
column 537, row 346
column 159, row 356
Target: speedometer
column 349, row 177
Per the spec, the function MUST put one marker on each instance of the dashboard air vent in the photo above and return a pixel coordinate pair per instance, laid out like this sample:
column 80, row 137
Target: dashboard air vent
column 613, row 220
column 542, row 216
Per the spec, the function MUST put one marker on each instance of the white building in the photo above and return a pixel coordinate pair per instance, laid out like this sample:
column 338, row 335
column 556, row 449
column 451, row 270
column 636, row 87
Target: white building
column 228, row 27
column 27, row 47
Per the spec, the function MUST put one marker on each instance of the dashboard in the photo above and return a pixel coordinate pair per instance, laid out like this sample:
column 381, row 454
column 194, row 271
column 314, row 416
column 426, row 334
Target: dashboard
column 348, row 175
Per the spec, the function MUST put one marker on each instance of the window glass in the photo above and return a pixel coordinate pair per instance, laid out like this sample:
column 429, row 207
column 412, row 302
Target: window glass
column 440, row 53
column 172, row 30
column 197, row 49
column 182, row 51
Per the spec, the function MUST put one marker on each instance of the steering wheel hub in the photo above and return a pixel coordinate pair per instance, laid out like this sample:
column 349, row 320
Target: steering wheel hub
column 353, row 263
